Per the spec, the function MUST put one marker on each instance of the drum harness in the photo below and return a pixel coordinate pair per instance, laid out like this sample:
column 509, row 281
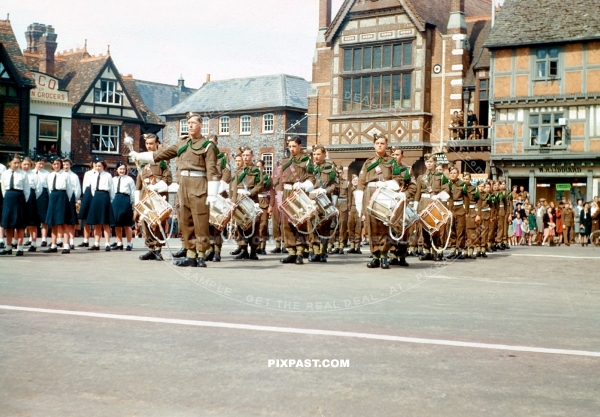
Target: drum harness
column 316, row 225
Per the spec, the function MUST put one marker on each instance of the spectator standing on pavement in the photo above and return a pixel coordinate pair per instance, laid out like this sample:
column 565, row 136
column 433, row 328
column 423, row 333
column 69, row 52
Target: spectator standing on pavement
column 518, row 232
column 585, row 224
column 595, row 215
column 539, row 218
column 559, row 223
column 549, row 226
column 533, row 230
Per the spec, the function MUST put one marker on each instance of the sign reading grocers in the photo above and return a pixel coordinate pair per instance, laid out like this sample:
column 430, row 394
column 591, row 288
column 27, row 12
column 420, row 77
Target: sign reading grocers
column 47, row 89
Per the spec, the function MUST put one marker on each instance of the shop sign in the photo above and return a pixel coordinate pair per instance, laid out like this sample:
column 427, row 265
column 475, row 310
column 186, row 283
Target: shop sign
column 563, row 170
column 543, row 185
column 579, row 184
column 441, row 158
column 477, row 178
column 47, row 89
column 563, row 187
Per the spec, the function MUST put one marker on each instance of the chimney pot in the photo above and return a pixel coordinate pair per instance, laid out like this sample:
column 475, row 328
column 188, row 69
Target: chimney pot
column 324, row 13
column 207, row 78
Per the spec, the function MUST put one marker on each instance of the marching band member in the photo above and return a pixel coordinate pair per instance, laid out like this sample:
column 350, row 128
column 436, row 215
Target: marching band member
column 297, row 173
column 264, row 204
column 458, row 192
column 122, row 206
column 59, row 210
column 196, row 159
column 343, row 208
column 15, row 192
column 73, row 198
column 156, row 176
column 472, row 218
column 101, row 215
column 429, row 185
column 33, row 216
column 42, row 196
column 401, row 173
column 493, row 227
column 326, row 182
column 274, row 203
column 216, row 239
column 504, row 210
column 354, row 220
column 249, row 182
column 377, row 172
column 486, row 199
column 89, row 178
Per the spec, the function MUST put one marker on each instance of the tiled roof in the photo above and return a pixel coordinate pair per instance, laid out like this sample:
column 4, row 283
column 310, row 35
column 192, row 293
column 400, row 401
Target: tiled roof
column 161, row 97
column 242, row 94
column 147, row 114
column 477, row 31
column 438, row 12
column 423, row 12
column 10, row 44
column 545, row 21
column 79, row 72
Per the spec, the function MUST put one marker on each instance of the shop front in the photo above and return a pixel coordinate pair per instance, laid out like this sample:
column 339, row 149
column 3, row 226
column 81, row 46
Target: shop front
column 555, row 181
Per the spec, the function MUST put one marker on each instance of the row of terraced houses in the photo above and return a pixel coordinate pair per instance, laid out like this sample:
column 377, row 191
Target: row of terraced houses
column 409, row 69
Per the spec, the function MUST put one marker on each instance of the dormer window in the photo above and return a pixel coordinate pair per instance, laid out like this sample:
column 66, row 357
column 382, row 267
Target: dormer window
column 107, row 93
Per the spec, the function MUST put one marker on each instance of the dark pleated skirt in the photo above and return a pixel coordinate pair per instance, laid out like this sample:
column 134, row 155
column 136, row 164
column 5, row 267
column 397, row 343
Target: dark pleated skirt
column 86, row 202
column 73, row 220
column 33, row 217
column 59, row 211
column 14, row 211
column 101, row 210
column 122, row 210
column 42, row 205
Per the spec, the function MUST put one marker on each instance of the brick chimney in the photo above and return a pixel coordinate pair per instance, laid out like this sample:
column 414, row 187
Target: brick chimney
column 457, row 22
column 33, row 34
column 47, row 48
column 324, row 14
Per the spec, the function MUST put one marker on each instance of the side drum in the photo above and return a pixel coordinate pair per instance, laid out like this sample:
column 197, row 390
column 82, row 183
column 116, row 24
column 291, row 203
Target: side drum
column 246, row 212
column 435, row 216
column 221, row 212
column 298, row 208
column 153, row 209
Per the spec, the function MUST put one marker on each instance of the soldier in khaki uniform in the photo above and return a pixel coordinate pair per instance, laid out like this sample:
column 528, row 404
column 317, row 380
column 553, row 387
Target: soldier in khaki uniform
column 263, row 202
column 503, row 212
column 196, row 159
column 493, row 225
column 216, row 238
column 326, row 182
column 484, row 207
column 377, row 172
column 354, row 220
column 429, row 185
column 274, row 203
column 248, row 181
column 297, row 173
column 157, row 177
column 458, row 195
column 472, row 218
column 401, row 174
column 342, row 206
column 568, row 218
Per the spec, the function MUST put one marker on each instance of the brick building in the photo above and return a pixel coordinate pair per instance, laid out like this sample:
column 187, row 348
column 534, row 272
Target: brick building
column 16, row 82
column 104, row 110
column 396, row 67
column 259, row 112
column 545, row 97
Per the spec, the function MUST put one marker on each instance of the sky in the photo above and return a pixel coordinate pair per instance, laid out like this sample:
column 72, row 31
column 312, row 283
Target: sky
column 157, row 40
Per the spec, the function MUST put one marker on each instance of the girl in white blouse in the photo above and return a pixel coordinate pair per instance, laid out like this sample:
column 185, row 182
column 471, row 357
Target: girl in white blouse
column 122, row 206
column 101, row 213
column 42, row 196
column 15, row 191
column 59, row 211
column 33, row 217
column 89, row 178
column 73, row 198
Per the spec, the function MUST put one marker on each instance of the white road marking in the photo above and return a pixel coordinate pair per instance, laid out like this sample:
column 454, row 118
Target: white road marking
column 488, row 280
column 555, row 256
column 314, row 332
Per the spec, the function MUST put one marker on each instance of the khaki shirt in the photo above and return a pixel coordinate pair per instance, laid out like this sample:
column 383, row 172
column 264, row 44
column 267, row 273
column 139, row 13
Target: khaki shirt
column 248, row 178
column 297, row 168
column 458, row 193
column 193, row 155
column 326, row 178
column 151, row 174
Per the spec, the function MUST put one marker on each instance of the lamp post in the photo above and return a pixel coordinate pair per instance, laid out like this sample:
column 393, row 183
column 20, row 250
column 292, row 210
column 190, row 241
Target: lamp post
column 466, row 98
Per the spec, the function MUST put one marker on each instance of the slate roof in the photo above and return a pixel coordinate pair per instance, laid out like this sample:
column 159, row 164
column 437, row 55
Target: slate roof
column 243, row 94
column 78, row 73
column 545, row 21
column 477, row 31
column 10, row 44
column 147, row 114
column 423, row 12
column 161, row 97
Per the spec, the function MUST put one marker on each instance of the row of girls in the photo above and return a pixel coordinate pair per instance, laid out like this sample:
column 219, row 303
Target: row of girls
column 38, row 200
